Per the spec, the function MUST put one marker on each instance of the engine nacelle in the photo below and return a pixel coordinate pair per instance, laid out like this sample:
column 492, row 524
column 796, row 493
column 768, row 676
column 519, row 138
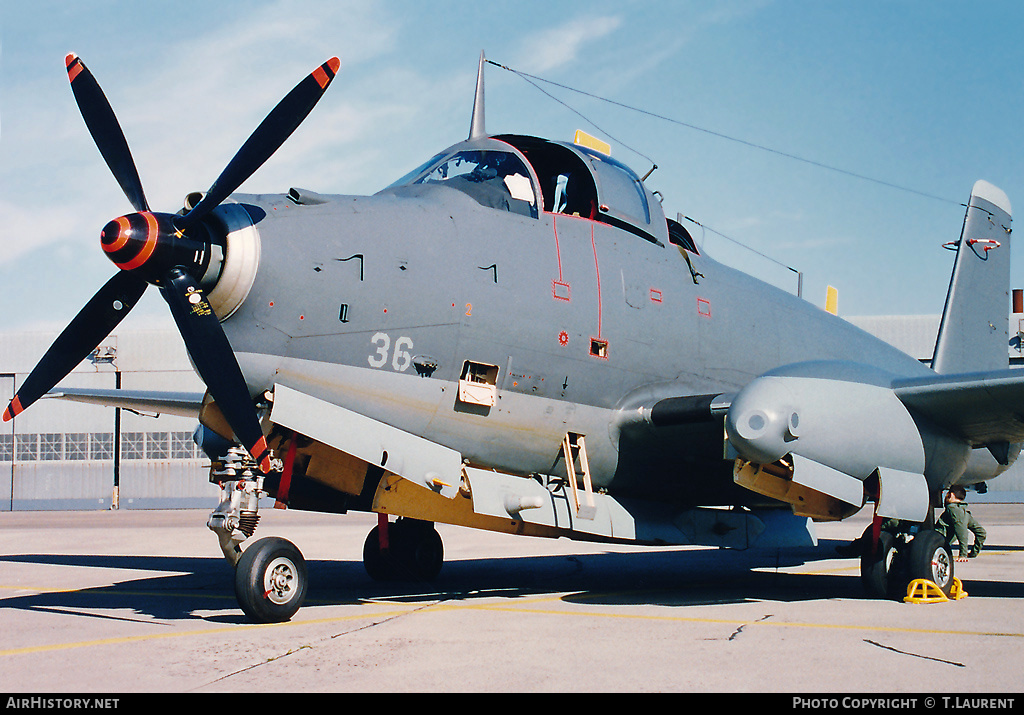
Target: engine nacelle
column 848, row 419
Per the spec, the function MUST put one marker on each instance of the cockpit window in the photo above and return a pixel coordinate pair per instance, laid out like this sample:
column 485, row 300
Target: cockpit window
column 578, row 181
column 495, row 179
column 417, row 171
column 620, row 189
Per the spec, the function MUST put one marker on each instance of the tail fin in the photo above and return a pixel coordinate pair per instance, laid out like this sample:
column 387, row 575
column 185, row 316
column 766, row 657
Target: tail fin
column 974, row 332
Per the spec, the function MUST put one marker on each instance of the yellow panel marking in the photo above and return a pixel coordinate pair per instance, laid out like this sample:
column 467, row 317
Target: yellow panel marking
column 832, row 300
column 591, row 142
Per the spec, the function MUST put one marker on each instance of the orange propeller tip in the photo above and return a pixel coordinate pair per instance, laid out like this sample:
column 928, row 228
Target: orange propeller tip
column 334, row 63
column 74, row 65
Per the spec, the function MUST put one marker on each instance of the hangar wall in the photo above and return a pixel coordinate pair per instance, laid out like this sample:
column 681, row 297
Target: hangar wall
column 67, row 455
column 64, row 455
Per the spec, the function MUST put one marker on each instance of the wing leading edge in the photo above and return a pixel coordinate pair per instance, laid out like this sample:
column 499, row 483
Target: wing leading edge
column 982, row 408
column 185, row 404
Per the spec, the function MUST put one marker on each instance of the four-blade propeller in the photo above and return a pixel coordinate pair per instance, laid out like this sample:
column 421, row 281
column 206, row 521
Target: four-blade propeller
column 171, row 252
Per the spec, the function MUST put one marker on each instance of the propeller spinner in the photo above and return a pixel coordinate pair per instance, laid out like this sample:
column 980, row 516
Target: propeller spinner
column 171, row 252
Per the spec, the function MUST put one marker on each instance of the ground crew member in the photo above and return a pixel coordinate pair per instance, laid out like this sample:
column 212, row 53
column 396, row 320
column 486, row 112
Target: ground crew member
column 957, row 520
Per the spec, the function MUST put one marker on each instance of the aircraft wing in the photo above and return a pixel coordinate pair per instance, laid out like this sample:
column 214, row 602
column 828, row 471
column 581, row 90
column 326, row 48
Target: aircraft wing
column 983, row 408
column 185, row 404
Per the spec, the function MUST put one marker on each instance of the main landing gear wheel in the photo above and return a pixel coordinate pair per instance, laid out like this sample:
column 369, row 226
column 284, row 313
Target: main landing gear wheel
column 415, row 552
column 931, row 559
column 895, row 563
column 271, row 580
column 876, row 567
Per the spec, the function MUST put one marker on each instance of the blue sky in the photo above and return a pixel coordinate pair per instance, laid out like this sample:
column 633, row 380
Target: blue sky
column 924, row 95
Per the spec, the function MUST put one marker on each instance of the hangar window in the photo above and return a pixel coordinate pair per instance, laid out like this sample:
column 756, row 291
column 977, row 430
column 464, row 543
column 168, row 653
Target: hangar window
column 133, row 445
column 156, row 445
column 6, row 447
column 101, row 445
column 182, row 445
column 51, row 447
column 76, row 446
column 28, row 447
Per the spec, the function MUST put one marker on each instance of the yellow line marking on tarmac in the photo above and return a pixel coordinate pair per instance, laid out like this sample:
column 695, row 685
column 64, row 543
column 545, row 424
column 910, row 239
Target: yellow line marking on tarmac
column 211, row 631
column 731, row 621
column 523, row 606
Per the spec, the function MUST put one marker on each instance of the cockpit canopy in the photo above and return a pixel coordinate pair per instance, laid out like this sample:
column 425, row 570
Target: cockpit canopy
column 523, row 175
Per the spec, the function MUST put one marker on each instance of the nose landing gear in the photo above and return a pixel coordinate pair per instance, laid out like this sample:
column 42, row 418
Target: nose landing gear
column 270, row 576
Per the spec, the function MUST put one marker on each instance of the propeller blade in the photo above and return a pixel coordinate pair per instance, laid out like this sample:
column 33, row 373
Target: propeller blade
column 268, row 138
column 215, row 361
column 93, row 323
column 105, row 130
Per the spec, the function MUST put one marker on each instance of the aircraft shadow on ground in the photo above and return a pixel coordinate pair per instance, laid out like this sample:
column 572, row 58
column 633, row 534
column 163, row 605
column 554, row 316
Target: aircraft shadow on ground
column 182, row 588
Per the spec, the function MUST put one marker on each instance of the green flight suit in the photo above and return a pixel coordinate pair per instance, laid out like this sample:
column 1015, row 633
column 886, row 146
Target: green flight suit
column 955, row 522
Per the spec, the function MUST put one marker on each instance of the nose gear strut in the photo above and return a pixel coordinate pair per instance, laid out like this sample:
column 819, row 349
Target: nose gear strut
column 237, row 515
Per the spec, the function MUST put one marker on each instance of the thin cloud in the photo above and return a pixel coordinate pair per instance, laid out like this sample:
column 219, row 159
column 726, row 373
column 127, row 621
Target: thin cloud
column 561, row 45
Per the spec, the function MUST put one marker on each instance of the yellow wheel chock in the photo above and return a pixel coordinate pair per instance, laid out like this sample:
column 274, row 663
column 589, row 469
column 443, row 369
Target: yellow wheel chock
column 921, row 590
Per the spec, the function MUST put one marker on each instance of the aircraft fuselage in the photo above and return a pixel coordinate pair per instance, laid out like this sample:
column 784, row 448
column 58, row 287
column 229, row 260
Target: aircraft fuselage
column 376, row 303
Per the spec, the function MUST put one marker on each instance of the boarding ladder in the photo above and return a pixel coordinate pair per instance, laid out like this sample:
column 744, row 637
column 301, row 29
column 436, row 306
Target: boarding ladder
column 574, row 448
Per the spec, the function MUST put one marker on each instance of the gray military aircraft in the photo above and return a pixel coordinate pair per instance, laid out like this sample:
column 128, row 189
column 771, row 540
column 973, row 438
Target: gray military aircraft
column 514, row 337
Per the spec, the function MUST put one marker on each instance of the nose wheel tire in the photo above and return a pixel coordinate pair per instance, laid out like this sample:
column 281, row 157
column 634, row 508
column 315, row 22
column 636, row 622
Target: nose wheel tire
column 271, row 580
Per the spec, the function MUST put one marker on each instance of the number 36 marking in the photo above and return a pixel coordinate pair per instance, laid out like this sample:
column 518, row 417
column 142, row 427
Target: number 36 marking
column 400, row 360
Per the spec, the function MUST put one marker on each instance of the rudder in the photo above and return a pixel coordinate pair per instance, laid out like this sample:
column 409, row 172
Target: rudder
column 974, row 332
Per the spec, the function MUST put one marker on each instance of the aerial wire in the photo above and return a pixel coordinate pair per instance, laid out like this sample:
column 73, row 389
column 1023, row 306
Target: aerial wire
column 821, row 165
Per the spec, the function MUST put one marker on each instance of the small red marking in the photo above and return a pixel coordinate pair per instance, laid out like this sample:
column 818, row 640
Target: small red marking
column 286, row 475
column 563, row 338
column 597, row 270
column 561, row 290
column 704, row 307
column 382, row 532
column 271, row 304
column 655, row 295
